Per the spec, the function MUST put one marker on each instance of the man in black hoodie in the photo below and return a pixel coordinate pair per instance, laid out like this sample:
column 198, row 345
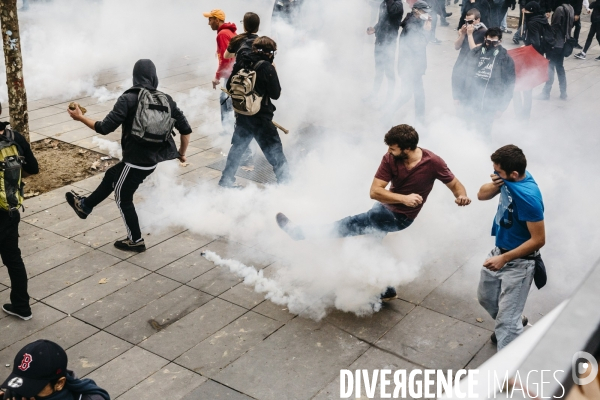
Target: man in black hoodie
column 491, row 81
column 594, row 30
column 9, row 232
column 259, row 126
column 139, row 159
column 386, row 39
column 483, row 6
column 40, row 371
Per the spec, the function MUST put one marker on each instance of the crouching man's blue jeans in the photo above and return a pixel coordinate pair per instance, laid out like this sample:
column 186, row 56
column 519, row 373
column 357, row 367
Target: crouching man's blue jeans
column 503, row 295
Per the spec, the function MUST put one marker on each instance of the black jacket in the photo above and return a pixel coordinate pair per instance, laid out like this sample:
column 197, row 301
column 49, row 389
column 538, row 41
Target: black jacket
column 460, row 71
column 576, row 4
column 123, row 113
column 562, row 24
column 241, row 43
column 496, row 93
column 86, row 388
column 595, row 7
column 390, row 18
column 484, row 9
column 267, row 81
column 30, row 163
column 535, row 30
column 412, row 49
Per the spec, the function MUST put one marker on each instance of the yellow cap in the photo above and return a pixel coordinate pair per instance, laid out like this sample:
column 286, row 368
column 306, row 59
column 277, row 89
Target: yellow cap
column 218, row 14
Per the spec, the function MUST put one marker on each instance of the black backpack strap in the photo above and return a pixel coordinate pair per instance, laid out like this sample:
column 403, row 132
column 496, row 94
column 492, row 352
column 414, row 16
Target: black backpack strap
column 258, row 64
column 9, row 135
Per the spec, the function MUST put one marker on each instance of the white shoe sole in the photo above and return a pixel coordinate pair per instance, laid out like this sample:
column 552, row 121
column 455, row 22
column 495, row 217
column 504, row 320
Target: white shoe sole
column 17, row 315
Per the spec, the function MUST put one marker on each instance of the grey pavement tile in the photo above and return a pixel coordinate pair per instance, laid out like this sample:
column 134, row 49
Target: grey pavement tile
column 44, row 112
column 434, row 340
column 201, row 174
column 247, row 255
column 184, row 334
column 371, row 360
column 59, row 123
column 485, row 353
column 51, row 257
column 36, row 239
column 67, row 332
column 104, row 234
column 457, row 296
column 159, row 314
column 171, row 382
column 52, row 215
column 95, row 351
column 187, row 268
column 35, row 137
column 225, row 346
column 14, row 329
column 203, row 159
column 216, row 281
column 298, row 360
column 371, row 328
column 244, row 296
column 45, row 201
column 90, row 290
column 170, row 250
column 151, row 238
column 107, row 211
column 71, row 136
column 127, row 370
column 43, row 123
column 430, row 277
column 215, row 391
column 274, row 311
column 69, row 273
column 126, row 300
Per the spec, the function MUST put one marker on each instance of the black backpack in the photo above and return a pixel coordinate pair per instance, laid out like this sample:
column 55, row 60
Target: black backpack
column 547, row 38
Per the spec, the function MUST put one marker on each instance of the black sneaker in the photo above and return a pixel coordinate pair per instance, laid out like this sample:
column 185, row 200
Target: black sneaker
column 516, row 39
column 580, row 55
column 129, row 245
column 507, row 31
column 389, row 294
column 448, row 14
column 524, row 321
column 597, row 58
column 74, row 201
column 9, row 309
column 578, row 46
column 286, row 225
column 444, row 22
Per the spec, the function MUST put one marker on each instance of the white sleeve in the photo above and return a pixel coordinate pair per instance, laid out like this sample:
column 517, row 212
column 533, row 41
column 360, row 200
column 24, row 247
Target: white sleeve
column 586, row 4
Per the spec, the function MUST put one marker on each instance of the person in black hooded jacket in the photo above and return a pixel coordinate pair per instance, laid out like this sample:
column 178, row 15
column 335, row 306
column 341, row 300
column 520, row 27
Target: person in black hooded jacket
column 386, row 39
column 484, row 10
column 139, row 159
column 491, row 81
column 259, row 126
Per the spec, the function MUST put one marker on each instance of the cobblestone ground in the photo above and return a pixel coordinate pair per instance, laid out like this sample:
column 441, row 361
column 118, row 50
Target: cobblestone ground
column 168, row 323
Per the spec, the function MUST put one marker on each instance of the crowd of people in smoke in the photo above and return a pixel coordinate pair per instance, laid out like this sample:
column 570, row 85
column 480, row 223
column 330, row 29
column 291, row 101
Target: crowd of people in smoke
column 483, row 83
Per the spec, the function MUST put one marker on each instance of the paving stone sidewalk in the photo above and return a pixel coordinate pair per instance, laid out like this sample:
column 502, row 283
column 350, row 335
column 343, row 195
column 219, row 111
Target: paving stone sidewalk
column 168, row 323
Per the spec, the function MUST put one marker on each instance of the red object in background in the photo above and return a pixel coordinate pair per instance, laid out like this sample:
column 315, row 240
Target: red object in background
column 530, row 66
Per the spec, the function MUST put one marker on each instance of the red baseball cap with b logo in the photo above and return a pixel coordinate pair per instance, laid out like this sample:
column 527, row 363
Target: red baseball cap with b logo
column 35, row 366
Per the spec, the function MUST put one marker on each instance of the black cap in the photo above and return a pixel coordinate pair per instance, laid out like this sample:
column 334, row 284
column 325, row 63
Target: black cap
column 35, row 366
column 533, row 7
column 422, row 5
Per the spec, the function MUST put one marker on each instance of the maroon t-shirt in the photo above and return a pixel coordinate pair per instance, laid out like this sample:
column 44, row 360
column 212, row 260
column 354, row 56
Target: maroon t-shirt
column 418, row 180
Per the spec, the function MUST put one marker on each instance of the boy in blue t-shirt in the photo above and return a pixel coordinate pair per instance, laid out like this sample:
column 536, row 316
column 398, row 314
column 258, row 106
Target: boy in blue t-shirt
column 519, row 230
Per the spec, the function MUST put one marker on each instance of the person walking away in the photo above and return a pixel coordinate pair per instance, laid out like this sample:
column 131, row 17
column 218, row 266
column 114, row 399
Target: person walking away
column 412, row 172
column 40, row 371
column 470, row 35
column 147, row 118
column 386, row 41
column 518, row 226
column 545, row 7
column 483, row 6
column 260, row 125
column 16, row 161
column 412, row 58
column 490, row 82
column 238, row 46
column 225, row 32
column 562, row 23
column 594, row 31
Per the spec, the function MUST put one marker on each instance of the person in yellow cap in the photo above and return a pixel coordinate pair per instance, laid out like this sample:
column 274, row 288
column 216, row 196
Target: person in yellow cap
column 225, row 31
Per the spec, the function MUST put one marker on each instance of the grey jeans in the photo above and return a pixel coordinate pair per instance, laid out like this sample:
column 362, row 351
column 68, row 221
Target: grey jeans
column 503, row 295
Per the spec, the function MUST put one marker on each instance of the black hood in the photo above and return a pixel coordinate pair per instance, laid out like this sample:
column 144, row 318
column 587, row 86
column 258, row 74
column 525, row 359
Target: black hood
column 144, row 75
column 541, row 18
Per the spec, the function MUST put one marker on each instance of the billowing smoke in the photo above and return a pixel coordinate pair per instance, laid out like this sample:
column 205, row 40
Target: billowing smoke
column 325, row 65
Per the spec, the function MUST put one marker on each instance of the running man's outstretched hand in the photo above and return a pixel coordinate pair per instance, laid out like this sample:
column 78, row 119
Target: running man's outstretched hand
column 412, row 200
column 462, row 201
column 459, row 192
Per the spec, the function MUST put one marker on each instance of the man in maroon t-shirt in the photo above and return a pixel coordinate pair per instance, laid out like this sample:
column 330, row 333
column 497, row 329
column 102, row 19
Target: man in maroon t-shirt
column 412, row 172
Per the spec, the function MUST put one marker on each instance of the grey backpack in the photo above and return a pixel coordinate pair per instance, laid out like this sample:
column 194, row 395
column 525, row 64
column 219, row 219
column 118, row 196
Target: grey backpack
column 243, row 97
column 152, row 122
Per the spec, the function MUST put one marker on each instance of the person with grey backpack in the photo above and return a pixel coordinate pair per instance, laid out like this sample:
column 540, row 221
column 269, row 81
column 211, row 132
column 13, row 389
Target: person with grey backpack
column 147, row 117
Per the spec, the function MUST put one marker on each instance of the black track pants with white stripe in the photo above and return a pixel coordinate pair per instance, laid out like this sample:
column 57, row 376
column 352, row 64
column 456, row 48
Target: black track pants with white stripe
column 124, row 181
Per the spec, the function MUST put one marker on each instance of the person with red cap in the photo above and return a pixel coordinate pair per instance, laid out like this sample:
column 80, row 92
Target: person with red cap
column 40, row 371
column 225, row 31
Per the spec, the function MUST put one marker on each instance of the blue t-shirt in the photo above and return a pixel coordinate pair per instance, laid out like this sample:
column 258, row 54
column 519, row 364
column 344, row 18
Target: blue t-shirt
column 520, row 202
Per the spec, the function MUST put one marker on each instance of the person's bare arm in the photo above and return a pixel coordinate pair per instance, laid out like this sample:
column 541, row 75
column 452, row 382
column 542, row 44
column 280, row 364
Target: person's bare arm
column 381, row 194
column 227, row 55
column 537, row 241
column 185, row 141
column 470, row 30
column 459, row 192
column 459, row 41
column 490, row 190
column 77, row 115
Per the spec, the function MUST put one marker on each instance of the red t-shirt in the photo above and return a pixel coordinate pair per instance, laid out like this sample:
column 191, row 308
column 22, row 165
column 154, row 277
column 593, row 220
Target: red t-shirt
column 418, row 180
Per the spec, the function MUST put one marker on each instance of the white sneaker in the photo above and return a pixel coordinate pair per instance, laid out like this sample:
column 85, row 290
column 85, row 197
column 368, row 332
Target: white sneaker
column 580, row 55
